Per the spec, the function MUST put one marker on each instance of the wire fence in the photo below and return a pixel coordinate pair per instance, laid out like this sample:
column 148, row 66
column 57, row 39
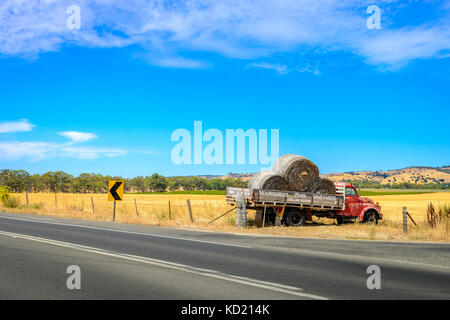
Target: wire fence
column 134, row 208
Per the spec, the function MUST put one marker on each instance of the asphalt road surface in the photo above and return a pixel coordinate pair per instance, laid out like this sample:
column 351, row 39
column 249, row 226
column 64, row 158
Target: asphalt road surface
column 119, row 261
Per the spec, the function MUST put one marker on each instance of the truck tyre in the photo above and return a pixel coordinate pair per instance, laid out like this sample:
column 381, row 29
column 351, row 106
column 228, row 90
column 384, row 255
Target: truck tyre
column 339, row 220
column 371, row 217
column 294, row 217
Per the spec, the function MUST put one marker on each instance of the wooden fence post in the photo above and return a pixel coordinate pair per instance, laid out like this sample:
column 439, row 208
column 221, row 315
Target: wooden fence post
column 135, row 205
column 405, row 220
column 188, row 202
column 170, row 214
column 26, row 196
column 92, row 202
column 56, row 201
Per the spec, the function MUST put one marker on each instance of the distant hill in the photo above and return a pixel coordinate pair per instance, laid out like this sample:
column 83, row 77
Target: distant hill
column 415, row 175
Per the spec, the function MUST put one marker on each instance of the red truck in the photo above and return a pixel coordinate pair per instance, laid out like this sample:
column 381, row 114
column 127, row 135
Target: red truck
column 292, row 208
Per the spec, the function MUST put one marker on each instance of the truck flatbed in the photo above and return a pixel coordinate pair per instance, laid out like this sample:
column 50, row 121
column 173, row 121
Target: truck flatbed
column 256, row 198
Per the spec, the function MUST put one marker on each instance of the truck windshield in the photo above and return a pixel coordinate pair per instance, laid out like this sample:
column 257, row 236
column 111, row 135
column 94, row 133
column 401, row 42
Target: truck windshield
column 350, row 192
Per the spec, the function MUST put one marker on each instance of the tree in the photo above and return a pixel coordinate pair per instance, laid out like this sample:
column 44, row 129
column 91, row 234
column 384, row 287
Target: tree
column 216, row 184
column 36, row 183
column 57, row 181
column 157, row 183
column 16, row 180
column 175, row 183
column 139, row 183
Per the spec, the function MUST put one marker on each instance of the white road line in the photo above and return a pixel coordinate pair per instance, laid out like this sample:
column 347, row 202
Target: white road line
column 127, row 232
column 174, row 266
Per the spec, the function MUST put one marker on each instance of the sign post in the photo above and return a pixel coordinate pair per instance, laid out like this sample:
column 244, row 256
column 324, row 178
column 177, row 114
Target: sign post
column 115, row 193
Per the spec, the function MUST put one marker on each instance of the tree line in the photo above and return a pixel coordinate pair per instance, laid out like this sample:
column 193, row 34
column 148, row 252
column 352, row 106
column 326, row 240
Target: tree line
column 59, row 181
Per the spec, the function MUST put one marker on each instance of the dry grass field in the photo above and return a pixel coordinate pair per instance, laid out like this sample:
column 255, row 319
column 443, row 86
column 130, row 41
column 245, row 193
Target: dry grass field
column 154, row 210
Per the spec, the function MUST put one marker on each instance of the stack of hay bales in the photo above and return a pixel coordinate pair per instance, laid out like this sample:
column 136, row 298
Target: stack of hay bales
column 267, row 180
column 322, row 186
column 295, row 173
column 298, row 171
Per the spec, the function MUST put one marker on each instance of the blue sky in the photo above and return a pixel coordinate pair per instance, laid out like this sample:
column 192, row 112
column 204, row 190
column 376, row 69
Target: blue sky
column 107, row 97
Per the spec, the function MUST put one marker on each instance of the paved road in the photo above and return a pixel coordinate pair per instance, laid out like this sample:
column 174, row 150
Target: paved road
column 120, row 261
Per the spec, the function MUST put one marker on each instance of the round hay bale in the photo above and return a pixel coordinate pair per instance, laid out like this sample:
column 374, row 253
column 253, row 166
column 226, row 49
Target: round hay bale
column 298, row 171
column 267, row 180
column 323, row 186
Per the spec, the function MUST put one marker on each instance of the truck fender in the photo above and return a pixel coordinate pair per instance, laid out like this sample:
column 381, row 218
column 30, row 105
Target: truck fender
column 363, row 212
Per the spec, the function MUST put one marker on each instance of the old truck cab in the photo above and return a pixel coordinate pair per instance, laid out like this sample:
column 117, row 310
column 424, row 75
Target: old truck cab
column 356, row 207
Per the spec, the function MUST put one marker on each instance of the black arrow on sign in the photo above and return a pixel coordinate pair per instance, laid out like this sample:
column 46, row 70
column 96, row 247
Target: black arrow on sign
column 114, row 189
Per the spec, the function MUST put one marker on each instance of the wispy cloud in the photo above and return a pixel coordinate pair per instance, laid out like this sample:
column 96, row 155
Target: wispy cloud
column 38, row 150
column 398, row 47
column 280, row 69
column 77, row 136
column 10, row 151
column 91, row 152
column 179, row 62
column 34, row 151
column 22, row 125
column 309, row 69
column 240, row 29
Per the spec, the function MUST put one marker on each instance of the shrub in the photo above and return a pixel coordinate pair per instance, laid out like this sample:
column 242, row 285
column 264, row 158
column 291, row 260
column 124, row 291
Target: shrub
column 4, row 193
column 444, row 212
column 11, row 202
column 436, row 216
column 431, row 215
column 36, row 206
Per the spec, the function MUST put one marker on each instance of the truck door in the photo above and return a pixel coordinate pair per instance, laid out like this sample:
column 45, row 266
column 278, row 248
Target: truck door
column 352, row 202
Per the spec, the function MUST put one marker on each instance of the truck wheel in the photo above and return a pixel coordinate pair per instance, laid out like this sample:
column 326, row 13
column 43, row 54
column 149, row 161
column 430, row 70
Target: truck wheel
column 340, row 220
column 371, row 218
column 294, row 217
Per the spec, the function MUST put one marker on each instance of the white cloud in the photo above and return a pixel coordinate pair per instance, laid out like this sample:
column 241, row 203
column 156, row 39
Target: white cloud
column 22, row 125
column 397, row 47
column 10, row 151
column 178, row 62
column 34, row 151
column 77, row 136
column 241, row 29
column 91, row 152
column 280, row 69
column 309, row 69
column 38, row 150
